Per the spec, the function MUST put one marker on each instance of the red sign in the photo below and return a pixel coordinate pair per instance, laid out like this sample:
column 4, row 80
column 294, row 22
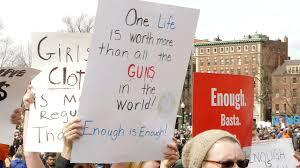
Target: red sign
column 223, row 101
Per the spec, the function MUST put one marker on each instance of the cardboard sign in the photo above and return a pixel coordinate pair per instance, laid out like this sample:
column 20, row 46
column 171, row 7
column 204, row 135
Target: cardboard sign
column 135, row 73
column 62, row 57
column 271, row 153
column 13, row 84
column 222, row 101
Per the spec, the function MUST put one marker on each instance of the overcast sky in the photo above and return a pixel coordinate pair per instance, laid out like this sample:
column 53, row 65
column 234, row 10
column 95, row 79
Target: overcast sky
column 230, row 19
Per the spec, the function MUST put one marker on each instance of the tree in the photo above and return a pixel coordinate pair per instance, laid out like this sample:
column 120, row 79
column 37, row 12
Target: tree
column 11, row 54
column 81, row 24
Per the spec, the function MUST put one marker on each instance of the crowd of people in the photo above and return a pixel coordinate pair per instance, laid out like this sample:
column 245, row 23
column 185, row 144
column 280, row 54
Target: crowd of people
column 278, row 132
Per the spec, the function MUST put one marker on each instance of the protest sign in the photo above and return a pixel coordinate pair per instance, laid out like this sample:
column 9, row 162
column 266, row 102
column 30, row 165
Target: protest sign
column 135, row 74
column 13, row 84
column 223, row 101
column 62, row 57
column 285, row 119
column 271, row 154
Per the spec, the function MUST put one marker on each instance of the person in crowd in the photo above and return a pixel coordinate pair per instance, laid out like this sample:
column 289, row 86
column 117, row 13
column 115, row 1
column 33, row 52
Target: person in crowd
column 50, row 160
column 286, row 134
column 213, row 148
column 279, row 134
column 18, row 162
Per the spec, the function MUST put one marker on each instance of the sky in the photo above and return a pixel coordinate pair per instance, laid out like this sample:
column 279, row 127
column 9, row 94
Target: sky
column 230, row 19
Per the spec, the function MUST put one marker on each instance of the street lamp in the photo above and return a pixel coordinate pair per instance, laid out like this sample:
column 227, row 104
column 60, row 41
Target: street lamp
column 182, row 112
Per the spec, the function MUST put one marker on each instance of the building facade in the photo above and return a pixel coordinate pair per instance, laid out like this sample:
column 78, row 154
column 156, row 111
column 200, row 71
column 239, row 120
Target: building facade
column 285, row 89
column 255, row 55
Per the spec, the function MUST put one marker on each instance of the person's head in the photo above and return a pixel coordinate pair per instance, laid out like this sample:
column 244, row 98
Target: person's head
column 19, row 155
column 50, row 159
column 213, row 149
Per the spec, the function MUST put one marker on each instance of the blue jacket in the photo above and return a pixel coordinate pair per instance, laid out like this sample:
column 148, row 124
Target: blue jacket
column 17, row 163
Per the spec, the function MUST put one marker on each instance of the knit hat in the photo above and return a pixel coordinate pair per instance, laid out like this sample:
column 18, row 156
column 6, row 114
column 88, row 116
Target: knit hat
column 197, row 148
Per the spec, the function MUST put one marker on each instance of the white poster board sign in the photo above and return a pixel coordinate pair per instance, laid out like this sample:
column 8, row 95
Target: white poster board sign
column 62, row 57
column 13, row 84
column 135, row 74
column 271, row 153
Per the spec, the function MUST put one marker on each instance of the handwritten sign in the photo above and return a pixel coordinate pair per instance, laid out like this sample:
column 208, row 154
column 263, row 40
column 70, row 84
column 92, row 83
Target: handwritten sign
column 271, row 153
column 13, row 84
column 62, row 57
column 223, row 101
column 135, row 74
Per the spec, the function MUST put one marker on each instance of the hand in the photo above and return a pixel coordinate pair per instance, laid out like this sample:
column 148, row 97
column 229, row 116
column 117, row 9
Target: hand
column 29, row 97
column 72, row 132
column 17, row 116
column 171, row 155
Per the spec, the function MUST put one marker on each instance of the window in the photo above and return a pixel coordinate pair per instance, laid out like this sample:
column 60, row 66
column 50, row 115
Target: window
column 231, row 49
column 232, row 71
column 246, row 60
column 215, row 50
column 222, row 70
column 222, row 61
column 231, row 60
column 253, row 47
column 238, row 71
column 221, row 49
column 208, row 51
column 201, row 51
column 226, row 61
column 208, row 70
column 226, row 49
column 208, row 61
column 277, row 107
column 215, row 70
column 294, row 79
column 246, row 48
column 201, row 62
column 215, row 61
column 196, row 52
column 239, row 61
column 294, row 92
column 227, row 70
column 239, row 48
column 293, row 70
column 246, row 71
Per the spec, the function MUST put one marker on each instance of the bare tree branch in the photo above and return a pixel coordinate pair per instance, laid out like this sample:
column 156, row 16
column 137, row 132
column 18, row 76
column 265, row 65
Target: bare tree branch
column 81, row 24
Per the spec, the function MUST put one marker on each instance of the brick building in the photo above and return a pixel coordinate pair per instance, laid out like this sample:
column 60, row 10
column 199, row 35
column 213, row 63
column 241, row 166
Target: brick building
column 255, row 55
column 285, row 88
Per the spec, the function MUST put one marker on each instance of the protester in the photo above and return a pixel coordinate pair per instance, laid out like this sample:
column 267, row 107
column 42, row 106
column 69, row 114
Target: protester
column 50, row 160
column 18, row 162
column 213, row 148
